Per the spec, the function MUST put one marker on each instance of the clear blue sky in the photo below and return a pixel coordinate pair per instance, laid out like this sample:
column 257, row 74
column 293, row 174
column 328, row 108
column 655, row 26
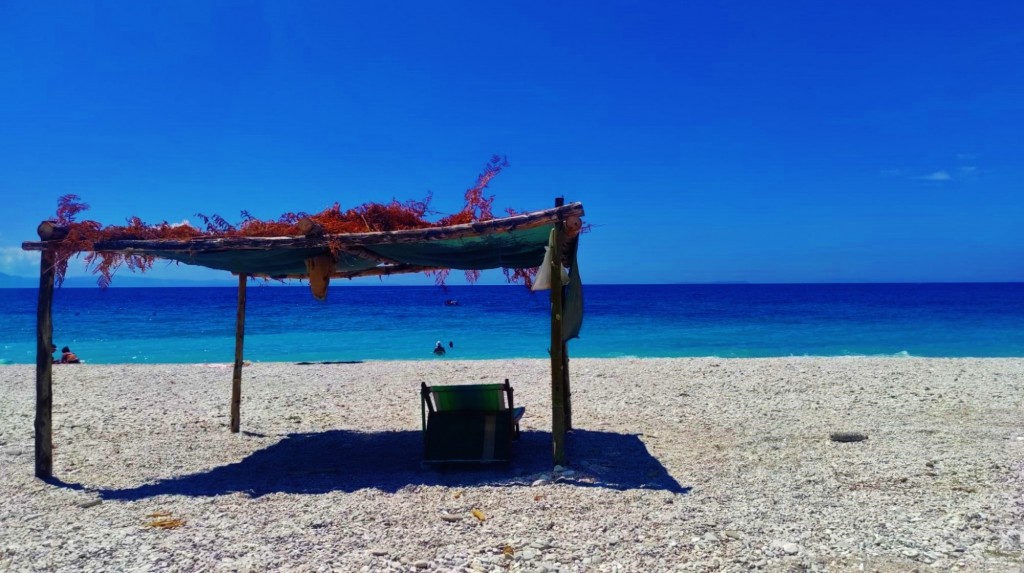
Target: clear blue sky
column 709, row 141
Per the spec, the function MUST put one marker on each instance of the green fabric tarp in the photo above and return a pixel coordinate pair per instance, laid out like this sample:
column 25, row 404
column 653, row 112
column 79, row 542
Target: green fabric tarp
column 280, row 262
column 519, row 248
column 515, row 249
column 572, row 299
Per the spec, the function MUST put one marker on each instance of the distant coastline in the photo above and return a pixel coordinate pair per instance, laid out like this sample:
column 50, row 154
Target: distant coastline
column 129, row 280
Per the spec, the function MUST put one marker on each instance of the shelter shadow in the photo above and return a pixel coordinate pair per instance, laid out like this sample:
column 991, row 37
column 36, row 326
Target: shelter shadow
column 345, row 460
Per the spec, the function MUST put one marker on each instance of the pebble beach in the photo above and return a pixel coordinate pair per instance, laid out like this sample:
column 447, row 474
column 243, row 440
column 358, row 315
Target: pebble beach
column 689, row 464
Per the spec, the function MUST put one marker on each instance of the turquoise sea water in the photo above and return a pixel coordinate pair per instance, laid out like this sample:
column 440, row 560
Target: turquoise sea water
column 124, row 325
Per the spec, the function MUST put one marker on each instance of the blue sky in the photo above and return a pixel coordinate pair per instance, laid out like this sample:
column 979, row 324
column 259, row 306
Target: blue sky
column 708, row 141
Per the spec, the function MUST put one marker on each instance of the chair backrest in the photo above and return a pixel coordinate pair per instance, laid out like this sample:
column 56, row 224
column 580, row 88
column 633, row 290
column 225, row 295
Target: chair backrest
column 488, row 397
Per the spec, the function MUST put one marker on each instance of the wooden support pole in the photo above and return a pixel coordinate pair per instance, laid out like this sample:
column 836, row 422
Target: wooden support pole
column 44, row 367
column 236, row 379
column 568, row 391
column 557, row 377
column 571, row 227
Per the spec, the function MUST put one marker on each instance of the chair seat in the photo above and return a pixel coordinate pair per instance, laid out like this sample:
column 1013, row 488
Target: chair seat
column 468, row 436
column 473, row 423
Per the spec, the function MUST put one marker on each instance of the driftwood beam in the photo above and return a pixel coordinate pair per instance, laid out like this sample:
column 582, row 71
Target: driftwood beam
column 388, row 271
column 212, row 244
column 374, row 272
column 364, row 253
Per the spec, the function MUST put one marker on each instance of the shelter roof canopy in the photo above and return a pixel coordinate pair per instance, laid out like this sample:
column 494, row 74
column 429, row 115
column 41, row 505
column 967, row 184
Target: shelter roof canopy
column 511, row 242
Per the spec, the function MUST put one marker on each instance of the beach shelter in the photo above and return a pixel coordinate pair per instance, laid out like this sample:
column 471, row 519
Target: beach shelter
column 549, row 237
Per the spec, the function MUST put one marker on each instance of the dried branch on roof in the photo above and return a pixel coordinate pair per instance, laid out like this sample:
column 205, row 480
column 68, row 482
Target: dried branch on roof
column 84, row 236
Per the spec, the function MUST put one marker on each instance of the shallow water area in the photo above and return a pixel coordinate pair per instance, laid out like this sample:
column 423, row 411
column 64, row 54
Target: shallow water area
column 187, row 325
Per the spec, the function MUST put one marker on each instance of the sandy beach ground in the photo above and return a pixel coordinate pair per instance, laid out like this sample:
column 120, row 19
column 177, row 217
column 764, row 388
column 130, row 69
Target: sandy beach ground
column 674, row 465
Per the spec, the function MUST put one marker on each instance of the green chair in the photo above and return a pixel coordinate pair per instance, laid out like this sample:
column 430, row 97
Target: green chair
column 472, row 423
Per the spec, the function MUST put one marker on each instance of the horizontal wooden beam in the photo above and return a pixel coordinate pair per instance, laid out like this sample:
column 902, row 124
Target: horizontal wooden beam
column 211, row 244
column 374, row 272
column 364, row 253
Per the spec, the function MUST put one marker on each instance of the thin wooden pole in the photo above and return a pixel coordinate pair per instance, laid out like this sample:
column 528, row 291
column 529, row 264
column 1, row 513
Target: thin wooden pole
column 568, row 392
column 557, row 377
column 44, row 367
column 236, row 379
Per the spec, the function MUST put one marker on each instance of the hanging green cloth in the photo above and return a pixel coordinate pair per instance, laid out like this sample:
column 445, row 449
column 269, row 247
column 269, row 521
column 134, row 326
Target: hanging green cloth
column 572, row 298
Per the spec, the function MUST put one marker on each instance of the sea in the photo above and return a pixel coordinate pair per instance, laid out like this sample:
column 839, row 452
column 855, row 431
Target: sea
column 357, row 323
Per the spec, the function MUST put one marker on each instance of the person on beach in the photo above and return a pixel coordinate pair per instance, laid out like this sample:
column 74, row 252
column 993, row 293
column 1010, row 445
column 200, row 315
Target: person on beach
column 53, row 348
column 439, row 348
column 68, row 357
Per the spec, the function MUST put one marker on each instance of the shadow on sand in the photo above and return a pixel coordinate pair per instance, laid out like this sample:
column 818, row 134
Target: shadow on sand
column 344, row 460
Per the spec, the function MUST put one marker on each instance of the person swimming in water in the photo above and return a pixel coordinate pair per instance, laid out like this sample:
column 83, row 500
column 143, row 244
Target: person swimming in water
column 439, row 348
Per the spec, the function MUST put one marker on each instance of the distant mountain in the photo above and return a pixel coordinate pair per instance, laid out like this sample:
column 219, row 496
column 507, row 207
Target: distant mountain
column 129, row 281
column 713, row 283
column 11, row 281
column 121, row 280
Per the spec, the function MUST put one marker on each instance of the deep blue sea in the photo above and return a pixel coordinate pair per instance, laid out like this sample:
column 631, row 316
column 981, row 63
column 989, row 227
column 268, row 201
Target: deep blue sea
column 125, row 325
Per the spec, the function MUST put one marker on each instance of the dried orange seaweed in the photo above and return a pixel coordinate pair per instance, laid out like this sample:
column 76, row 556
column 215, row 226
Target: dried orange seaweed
column 82, row 236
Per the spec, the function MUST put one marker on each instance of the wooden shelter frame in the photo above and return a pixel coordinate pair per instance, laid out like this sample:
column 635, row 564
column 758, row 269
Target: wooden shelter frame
column 565, row 237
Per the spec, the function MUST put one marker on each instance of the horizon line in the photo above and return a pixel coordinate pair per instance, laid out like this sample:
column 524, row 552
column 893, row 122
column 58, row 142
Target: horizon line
column 272, row 283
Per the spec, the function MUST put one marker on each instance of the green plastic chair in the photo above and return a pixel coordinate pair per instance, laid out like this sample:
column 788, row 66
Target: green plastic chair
column 470, row 423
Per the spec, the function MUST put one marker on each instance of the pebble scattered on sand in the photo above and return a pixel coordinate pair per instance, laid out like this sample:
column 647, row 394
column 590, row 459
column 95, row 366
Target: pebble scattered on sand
column 675, row 465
